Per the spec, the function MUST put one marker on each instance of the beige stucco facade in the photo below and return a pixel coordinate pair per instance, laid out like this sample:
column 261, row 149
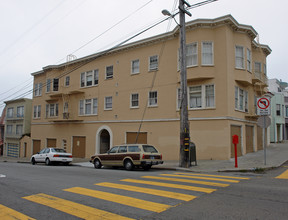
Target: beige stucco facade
column 110, row 96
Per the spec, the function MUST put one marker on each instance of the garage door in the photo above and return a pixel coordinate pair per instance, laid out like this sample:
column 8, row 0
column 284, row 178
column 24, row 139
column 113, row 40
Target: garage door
column 249, row 138
column 13, row 150
column 36, row 146
column 259, row 138
column 236, row 130
column 79, row 147
column 132, row 136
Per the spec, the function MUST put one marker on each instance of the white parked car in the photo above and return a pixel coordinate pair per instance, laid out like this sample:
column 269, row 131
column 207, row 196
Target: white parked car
column 51, row 155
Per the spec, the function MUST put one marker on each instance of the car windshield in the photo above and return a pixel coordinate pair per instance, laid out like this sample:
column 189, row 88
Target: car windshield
column 57, row 150
column 149, row 148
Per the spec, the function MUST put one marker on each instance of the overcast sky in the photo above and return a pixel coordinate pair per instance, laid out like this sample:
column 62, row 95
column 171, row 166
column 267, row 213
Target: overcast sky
column 38, row 33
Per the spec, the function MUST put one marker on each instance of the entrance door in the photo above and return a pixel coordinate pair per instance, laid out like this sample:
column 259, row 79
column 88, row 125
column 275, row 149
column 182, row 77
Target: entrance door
column 249, row 139
column 104, row 141
column 36, row 146
column 236, row 130
column 79, row 147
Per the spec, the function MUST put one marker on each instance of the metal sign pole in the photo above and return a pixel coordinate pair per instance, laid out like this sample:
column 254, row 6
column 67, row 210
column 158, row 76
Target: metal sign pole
column 264, row 138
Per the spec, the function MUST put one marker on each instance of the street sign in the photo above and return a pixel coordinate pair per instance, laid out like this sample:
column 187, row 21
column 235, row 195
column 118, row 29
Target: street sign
column 263, row 106
column 264, row 121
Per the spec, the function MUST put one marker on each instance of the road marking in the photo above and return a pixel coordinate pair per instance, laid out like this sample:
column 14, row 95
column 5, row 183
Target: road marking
column 228, row 177
column 7, row 214
column 203, row 178
column 124, row 200
column 173, row 195
column 1, row 175
column 187, row 181
column 72, row 208
column 175, row 186
column 284, row 175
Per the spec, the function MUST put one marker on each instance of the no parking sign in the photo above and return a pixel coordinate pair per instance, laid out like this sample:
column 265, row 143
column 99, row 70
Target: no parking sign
column 263, row 106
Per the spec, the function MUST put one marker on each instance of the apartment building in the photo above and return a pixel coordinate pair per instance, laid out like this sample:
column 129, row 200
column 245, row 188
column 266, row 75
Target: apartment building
column 132, row 94
column 17, row 123
column 278, row 128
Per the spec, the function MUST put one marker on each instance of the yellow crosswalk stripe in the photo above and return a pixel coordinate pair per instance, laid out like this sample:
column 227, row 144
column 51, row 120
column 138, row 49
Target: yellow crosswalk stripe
column 163, row 193
column 284, row 175
column 73, row 208
column 169, row 185
column 187, row 181
column 228, row 177
column 202, row 178
column 125, row 200
column 10, row 214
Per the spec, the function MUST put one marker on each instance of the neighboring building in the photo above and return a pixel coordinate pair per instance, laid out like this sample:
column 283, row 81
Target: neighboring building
column 89, row 104
column 2, row 128
column 278, row 131
column 17, row 124
column 286, row 114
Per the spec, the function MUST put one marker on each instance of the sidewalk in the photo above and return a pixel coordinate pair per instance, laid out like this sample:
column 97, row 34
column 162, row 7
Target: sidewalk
column 276, row 155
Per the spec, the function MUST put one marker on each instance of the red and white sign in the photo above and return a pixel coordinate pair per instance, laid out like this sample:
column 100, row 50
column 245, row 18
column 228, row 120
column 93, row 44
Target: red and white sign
column 263, row 106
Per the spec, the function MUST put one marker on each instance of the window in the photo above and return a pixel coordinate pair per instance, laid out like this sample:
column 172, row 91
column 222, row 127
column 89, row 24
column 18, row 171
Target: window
column 264, row 69
column 67, row 80
column 89, row 78
column 207, row 53
column 88, row 107
column 122, row 149
column 153, row 99
column 38, row 89
column 51, row 110
column 153, row 63
column 286, row 108
column 109, row 72
column 249, row 59
column 241, row 99
column 108, row 103
column 10, row 112
column 134, row 100
column 37, row 111
column 192, row 54
column 20, row 111
column 48, row 85
column 202, row 96
column 209, row 96
column 195, row 97
column 55, row 84
column 135, row 66
column 239, row 57
column 19, row 129
column 257, row 66
column 9, row 129
column 278, row 109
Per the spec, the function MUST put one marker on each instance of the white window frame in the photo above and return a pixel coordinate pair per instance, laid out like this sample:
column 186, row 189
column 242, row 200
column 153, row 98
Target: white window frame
column 153, row 63
column 108, row 73
column 91, row 103
column 192, row 54
column 54, row 113
column 249, row 60
column 108, row 103
column 94, row 78
column 239, row 58
column 241, row 99
column 19, row 129
column 38, row 89
column 207, row 101
column 48, row 85
column 207, row 53
column 55, row 84
column 10, row 112
column 20, row 112
column 36, row 111
column 133, row 100
column 135, row 67
column 153, row 99
column 67, row 81
column 9, row 129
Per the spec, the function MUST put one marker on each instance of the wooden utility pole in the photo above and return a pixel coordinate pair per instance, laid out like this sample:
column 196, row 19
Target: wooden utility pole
column 184, row 123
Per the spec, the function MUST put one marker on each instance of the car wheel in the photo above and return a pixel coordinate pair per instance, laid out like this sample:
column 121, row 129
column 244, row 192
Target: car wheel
column 97, row 164
column 128, row 165
column 47, row 161
column 33, row 161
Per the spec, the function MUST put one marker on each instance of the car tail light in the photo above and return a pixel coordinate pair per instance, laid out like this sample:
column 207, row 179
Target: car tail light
column 143, row 156
column 70, row 156
column 160, row 156
column 55, row 155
